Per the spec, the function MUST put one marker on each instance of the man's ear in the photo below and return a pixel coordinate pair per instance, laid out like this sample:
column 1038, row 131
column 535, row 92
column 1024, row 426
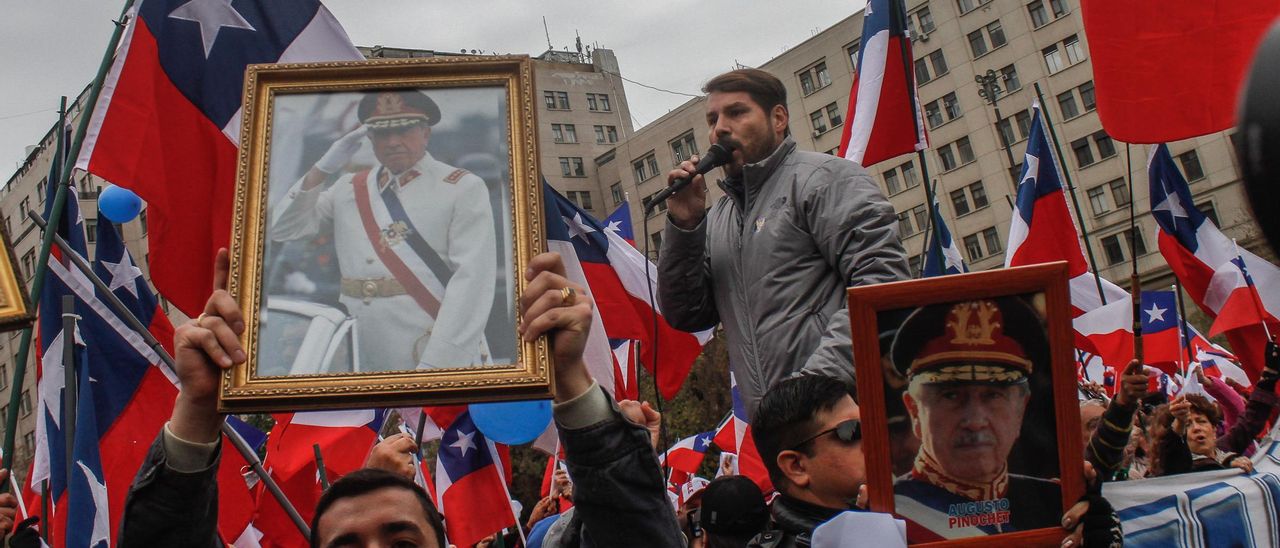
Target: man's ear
column 795, row 466
column 912, row 411
column 779, row 118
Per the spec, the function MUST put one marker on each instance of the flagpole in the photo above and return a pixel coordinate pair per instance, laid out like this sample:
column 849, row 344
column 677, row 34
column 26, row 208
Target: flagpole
column 1253, row 292
column 55, row 217
column 1135, row 282
column 69, row 391
column 114, row 302
column 931, row 230
column 1182, row 325
column 1071, row 187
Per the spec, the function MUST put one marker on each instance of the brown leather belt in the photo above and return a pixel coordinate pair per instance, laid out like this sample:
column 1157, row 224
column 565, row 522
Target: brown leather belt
column 370, row 288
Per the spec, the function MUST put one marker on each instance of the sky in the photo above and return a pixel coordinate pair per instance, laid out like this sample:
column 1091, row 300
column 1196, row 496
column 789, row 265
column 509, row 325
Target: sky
column 674, row 45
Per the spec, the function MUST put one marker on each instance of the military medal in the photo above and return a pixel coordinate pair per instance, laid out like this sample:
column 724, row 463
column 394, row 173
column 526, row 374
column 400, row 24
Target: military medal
column 394, row 234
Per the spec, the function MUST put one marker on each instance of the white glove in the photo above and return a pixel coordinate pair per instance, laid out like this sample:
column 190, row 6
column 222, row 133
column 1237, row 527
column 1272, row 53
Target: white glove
column 341, row 151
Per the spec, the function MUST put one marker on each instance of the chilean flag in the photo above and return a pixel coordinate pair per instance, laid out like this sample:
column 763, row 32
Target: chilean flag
column 615, row 273
column 470, row 488
column 1042, row 231
column 884, row 113
column 345, row 438
column 1162, row 341
column 943, row 257
column 687, row 454
column 734, row 435
column 167, row 123
column 1196, row 250
column 1241, row 306
column 619, row 222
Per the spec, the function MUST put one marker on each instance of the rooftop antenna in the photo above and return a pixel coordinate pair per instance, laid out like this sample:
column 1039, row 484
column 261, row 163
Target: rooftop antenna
column 544, row 29
column 578, row 41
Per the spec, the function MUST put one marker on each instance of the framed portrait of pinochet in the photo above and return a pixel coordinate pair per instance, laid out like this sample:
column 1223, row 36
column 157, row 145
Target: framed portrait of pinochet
column 384, row 213
column 967, row 393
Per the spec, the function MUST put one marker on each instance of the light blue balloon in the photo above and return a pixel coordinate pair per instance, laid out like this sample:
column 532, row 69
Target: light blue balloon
column 513, row 422
column 120, row 205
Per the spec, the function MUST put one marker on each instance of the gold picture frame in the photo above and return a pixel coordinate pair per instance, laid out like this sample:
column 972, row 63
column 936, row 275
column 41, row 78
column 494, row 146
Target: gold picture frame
column 16, row 311
column 371, row 270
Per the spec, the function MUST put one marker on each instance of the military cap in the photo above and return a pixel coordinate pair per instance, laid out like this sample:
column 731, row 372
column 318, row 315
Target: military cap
column 985, row 341
column 397, row 108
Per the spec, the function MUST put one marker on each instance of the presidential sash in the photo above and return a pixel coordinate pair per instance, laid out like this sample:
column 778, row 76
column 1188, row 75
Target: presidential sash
column 406, row 263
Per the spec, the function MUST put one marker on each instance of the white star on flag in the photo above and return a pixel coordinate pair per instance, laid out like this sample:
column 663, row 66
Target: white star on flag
column 1033, row 168
column 124, row 274
column 101, row 518
column 1171, row 203
column 576, row 227
column 614, row 227
column 1156, row 313
column 212, row 15
column 464, row 442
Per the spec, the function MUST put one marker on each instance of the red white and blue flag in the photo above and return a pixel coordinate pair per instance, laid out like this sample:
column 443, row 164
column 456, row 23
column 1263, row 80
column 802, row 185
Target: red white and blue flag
column 1042, row 231
column 167, row 124
column 687, row 454
column 943, row 256
column 883, row 118
column 1241, row 305
column 471, row 490
column 1197, row 251
column 615, row 273
column 734, row 435
column 619, row 222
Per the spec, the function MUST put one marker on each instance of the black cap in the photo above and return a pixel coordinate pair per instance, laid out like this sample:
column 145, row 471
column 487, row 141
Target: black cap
column 397, row 108
column 734, row 505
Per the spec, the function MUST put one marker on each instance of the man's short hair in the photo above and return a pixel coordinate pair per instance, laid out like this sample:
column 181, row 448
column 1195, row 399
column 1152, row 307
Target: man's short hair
column 786, row 416
column 368, row 480
column 764, row 88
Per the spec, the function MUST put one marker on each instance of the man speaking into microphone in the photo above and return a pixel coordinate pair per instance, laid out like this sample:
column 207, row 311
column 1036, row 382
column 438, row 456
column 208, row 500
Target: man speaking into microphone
column 772, row 258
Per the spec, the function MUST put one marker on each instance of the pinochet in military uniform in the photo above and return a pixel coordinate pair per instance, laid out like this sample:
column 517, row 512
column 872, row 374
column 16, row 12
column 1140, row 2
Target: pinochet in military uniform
column 967, row 366
column 414, row 239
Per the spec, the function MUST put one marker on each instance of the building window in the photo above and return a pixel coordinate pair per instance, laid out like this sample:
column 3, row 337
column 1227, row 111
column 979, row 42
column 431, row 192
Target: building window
column 965, row 150
column 960, row 202
column 661, row 207
column 947, row 157
column 973, row 247
column 1086, row 95
column 979, row 194
column 922, row 72
column 1191, row 165
column 939, row 66
column 1053, row 58
column 556, row 100
column 4, row 376
column 1039, row 17
column 923, row 20
column 571, row 167
column 1119, row 192
column 904, row 225
column 833, row 114
column 913, row 262
column 933, row 114
column 615, row 190
column 1098, row 200
column 903, row 177
column 1206, row 209
column 684, row 147
column 852, row 50
column 977, row 43
column 1014, row 128
column 814, row 78
column 91, row 230
column 580, row 197
column 992, row 239
column 1059, row 7
column 598, row 102
column 8, row 228
column 25, row 206
column 564, row 133
column 819, row 122
column 909, row 174
column 26, row 403
column 40, row 187
column 1067, row 105
column 606, row 134
column 939, row 63
column 641, row 170
column 1075, row 52
column 952, row 105
column 1116, row 246
column 1011, row 81
column 891, row 184
column 921, row 215
column 142, row 220
column 996, row 33
column 967, row 6
column 1106, row 147
column 29, row 263
column 29, row 443
column 1136, row 241
column 942, row 110
column 1084, row 155
column 992, row 34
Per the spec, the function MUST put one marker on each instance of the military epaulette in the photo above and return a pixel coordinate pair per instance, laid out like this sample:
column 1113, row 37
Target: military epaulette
column 456, row 176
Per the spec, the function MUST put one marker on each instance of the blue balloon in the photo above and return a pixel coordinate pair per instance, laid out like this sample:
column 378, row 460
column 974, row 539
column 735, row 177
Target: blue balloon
column 120, row 205
column 513, row 422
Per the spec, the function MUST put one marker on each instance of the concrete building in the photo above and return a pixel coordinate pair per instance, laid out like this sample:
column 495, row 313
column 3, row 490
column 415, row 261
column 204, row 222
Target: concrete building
column 582, row 112
column 1024, row 43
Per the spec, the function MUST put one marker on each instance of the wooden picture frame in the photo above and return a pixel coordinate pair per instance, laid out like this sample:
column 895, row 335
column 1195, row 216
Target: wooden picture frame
column 939, row 362
column 16, row 311
column 385, row 212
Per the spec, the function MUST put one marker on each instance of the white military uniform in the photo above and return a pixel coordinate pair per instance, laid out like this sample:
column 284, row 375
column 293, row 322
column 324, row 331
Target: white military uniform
column 451, row 211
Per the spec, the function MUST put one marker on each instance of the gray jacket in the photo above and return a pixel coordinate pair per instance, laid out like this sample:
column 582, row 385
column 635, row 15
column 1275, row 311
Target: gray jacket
column 771, row 262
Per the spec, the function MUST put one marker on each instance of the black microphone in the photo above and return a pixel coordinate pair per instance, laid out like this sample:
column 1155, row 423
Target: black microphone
column 719, row 154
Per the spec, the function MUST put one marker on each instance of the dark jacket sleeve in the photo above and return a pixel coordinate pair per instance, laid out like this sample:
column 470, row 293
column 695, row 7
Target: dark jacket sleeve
column 684, row 278
column 1175, row 455
column 1256, row 412
column 1106, row 447
column 168, row 508
column 618, row 489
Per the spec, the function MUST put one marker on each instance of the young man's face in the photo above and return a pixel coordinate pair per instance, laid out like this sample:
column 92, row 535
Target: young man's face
column 1202, row 438
column 970, row 427
column 734, row 117
column 399, row 148
column 391, row 516
column 837, row 468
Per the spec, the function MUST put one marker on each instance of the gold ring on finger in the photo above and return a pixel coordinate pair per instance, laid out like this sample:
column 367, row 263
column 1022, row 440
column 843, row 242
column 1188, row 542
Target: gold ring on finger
column 569, row 296
column 201, row 317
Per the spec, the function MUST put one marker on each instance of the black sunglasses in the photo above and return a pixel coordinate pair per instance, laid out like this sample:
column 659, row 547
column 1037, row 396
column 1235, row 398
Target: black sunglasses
column 848, row 432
